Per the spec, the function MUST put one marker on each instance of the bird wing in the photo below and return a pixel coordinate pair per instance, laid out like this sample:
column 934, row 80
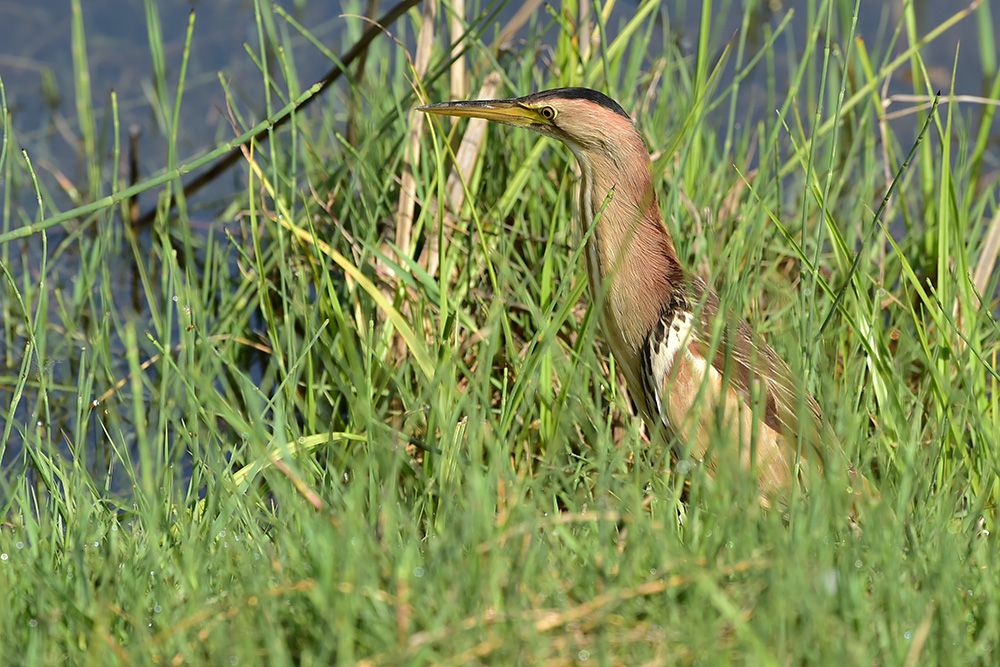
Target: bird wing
column 684, row 376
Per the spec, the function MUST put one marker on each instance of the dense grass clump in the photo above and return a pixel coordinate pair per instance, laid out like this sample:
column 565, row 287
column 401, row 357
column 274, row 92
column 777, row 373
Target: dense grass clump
column 367, row 416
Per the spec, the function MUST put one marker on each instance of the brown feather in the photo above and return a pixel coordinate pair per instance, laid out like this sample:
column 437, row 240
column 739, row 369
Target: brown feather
column 688, row 381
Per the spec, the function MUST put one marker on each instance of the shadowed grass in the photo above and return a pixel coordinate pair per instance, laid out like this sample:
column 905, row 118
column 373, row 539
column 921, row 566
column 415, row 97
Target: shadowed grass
column 307, row 437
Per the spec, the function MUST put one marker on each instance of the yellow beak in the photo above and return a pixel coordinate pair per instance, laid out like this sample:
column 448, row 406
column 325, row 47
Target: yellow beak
column 500, row 111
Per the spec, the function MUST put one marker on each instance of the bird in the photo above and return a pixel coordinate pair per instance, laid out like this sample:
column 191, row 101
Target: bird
column 657, row 317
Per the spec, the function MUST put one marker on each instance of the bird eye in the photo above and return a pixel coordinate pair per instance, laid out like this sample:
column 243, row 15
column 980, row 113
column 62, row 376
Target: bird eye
column 548, row 113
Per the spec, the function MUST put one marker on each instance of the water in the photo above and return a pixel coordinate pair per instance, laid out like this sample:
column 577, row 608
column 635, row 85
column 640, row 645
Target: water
column 36, row 64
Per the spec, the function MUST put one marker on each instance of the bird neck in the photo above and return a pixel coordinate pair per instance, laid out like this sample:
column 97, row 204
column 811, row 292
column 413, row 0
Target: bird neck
column 631, row 261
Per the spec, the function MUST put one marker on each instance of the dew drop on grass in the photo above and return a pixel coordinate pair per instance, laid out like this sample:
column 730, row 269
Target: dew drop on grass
column 583, row 655
column 683, row 467
column 4, row 557
column 418, row 572
column 828, row 581
column 33, row 623
column 20, row 545
column 157, row 609
column 907, row 634
column 858, row 563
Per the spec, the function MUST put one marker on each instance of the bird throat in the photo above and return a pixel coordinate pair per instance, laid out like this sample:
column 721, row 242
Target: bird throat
column 632, row 267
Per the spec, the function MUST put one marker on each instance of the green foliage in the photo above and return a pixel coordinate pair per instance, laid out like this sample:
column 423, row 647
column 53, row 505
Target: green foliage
column 329, row 433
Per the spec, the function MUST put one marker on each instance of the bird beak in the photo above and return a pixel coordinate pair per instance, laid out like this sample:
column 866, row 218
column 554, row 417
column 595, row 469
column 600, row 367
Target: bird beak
column 501, row 111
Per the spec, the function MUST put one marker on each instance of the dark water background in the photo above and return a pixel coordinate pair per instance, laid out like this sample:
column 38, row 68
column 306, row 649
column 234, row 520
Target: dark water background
column 36, row 62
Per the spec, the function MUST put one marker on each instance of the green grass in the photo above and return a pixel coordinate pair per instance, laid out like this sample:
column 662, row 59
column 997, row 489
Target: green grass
column 329, row 434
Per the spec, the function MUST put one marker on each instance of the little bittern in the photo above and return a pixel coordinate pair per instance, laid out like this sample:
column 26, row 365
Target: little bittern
column 658, row 318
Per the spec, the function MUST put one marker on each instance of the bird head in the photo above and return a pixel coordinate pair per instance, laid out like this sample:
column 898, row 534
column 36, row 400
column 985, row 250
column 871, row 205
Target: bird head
column 583, row 119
